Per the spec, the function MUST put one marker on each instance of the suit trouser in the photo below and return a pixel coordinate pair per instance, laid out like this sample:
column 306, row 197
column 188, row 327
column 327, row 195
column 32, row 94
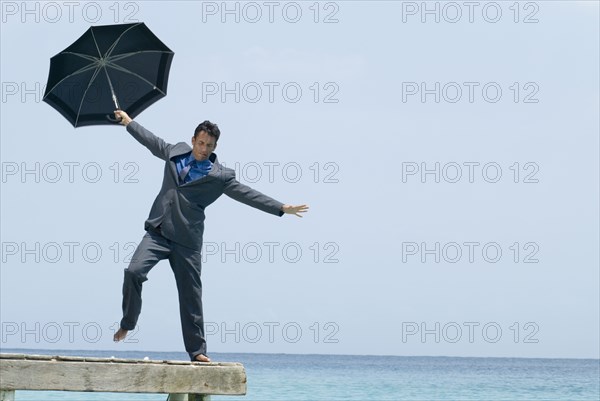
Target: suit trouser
column 186, row 265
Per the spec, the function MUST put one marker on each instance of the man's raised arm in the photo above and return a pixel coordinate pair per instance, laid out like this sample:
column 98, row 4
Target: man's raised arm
column 156, row 145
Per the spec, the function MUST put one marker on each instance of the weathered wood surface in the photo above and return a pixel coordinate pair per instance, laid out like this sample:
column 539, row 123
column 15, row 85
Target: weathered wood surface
column 62, row 373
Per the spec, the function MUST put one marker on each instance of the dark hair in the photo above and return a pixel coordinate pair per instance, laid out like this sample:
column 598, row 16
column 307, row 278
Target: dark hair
column 210, row 128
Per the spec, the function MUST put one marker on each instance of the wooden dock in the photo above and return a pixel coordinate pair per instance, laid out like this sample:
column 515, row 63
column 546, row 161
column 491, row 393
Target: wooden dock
column 193, row 381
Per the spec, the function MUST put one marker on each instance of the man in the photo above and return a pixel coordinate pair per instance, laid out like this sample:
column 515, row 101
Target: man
column 193, row 179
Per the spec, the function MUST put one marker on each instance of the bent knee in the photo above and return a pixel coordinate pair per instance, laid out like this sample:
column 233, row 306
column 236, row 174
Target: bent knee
column 135, row 275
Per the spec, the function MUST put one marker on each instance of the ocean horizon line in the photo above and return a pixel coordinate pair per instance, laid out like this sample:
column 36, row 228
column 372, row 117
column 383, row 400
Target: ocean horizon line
column 4, row 350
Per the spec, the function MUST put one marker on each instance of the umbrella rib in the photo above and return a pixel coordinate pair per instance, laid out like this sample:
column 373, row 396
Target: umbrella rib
column 112, row 47
column 79, row 71
column 85, row 56
column 119, row 68
column 85, row 93
column 125, row 55
column 95, row 43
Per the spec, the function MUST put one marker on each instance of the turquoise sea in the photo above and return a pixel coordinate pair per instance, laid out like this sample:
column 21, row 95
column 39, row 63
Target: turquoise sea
column 350, row 377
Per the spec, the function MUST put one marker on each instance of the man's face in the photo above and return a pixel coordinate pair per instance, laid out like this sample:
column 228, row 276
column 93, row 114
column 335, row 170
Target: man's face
column 203, row 145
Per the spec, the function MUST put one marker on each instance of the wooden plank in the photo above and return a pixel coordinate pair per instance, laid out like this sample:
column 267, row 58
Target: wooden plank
column 34, row 372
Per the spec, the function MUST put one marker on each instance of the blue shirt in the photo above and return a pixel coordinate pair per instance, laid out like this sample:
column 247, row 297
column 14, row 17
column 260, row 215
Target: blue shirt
column 198, row 170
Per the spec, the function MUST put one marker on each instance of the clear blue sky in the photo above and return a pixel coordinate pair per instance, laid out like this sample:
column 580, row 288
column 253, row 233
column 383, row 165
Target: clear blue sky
column 451, row 168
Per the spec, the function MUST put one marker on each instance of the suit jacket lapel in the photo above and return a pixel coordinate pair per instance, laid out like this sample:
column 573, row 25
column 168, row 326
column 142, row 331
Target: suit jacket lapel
column 214, row 172
column 179, row 149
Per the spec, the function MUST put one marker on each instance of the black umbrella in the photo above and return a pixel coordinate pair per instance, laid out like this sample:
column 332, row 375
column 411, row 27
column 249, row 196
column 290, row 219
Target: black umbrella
column 109, row 67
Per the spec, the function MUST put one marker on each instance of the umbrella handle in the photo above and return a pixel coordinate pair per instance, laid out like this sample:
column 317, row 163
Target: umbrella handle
column 112, row 119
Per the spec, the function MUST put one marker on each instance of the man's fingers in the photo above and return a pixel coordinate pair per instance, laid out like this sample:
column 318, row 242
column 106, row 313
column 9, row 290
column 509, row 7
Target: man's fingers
column 301, row 209
column 296, row 210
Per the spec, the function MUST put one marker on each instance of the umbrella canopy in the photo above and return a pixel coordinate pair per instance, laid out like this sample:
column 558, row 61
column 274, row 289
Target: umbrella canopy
column 109, row 67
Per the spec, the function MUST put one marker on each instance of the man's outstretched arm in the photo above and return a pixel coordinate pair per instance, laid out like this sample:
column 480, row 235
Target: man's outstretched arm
column 156, row 145
column 251, row 197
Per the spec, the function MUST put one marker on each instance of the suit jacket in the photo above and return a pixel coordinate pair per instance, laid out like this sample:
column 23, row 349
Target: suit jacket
column 179, row 209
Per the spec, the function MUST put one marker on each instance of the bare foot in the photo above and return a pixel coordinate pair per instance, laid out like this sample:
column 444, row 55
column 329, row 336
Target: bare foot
column 202, row 358
column 119, row 335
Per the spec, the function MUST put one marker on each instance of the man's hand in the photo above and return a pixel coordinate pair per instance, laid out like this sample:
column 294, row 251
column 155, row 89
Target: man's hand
column 296, row 210
column 122, row 117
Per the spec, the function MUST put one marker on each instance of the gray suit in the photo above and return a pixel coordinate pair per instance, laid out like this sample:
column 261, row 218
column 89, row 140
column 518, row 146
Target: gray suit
column 174, row 231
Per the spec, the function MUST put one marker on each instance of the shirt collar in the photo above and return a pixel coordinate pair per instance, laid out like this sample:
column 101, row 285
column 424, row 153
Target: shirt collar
column 191, row 159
